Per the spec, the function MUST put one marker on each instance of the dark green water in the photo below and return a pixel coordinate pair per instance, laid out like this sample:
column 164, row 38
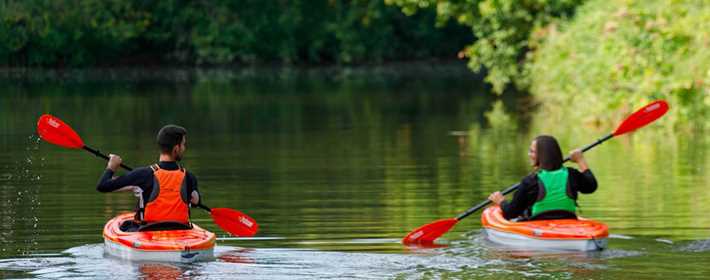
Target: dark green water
column 336, row 167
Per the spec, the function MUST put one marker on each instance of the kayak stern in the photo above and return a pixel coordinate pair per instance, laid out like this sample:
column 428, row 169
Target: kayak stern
column 182, row 246
column 555, row 235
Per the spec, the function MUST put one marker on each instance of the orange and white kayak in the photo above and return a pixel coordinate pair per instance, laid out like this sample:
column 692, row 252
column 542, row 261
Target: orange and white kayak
column 565, row 234
column 187, row 245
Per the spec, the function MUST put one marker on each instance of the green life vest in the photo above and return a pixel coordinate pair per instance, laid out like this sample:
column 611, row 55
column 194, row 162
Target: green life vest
column 554, row 185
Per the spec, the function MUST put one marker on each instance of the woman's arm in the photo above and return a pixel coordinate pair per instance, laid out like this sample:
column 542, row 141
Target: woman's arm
column 583, row 182
column 578, row 157
column 526, row 193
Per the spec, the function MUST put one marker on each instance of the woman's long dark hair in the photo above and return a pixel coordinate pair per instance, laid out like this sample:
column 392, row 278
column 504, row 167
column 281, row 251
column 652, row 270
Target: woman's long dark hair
column 549, row 154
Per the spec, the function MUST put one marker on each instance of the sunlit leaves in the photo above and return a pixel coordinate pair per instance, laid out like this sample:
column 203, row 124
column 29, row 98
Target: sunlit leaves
column 623, row 53
column 502, row 28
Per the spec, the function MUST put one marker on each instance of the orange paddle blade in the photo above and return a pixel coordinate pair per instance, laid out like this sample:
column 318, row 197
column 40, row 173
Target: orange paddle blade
column 429, row 232
column 642, row 117
column 55, row 131
column 234, row 222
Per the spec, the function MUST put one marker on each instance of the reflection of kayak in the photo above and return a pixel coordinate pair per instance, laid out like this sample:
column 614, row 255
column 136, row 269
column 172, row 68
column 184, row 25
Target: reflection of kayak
column 166, row 245
column 565, row 234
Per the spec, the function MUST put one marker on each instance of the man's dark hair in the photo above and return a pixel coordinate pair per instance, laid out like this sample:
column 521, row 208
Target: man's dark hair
column 169, row 136
column 549, row 154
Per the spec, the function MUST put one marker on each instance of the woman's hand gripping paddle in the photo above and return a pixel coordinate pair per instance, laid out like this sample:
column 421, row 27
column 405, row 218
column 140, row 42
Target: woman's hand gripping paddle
column 55, row 131
column 426, row 234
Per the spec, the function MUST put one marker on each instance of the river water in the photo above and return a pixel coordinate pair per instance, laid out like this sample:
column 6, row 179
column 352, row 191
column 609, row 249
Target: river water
column 336, row 166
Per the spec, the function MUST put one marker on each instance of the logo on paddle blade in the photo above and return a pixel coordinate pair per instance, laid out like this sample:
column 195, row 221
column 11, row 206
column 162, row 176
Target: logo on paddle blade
column 416, row 235
column 53, row 123
column 246, row 222
column 652, row 107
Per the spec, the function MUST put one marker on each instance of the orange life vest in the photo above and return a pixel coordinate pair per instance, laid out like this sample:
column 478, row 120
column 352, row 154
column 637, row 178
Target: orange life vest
column 169, row 204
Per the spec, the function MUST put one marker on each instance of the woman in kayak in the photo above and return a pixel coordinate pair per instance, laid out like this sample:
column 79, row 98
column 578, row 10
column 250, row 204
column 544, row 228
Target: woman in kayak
column 550, row 192
column 165, row 190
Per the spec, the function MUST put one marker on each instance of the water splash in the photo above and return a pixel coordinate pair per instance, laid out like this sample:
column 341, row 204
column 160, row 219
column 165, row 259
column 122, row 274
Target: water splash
column 20, row 189
column 696, row 246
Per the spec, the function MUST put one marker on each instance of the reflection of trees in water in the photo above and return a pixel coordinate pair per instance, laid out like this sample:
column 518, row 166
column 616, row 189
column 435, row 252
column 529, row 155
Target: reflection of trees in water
column 370, row 153
column 239, row 256
column 351, row 126
column 159, row 271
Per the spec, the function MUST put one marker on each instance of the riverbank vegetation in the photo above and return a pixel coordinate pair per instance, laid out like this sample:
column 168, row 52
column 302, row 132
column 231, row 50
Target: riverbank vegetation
column 68, row 33
column 617, row 54
column 503, row 31
column 594, row 56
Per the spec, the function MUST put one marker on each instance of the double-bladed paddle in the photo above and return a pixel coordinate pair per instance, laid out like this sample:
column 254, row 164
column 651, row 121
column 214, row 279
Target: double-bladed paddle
column 426, row 234
column 55, row 131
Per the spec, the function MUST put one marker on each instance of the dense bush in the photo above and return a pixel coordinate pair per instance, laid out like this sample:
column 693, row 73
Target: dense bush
column 504, row 31
column 107, row 32
column 591, row 55
column 37, row 32
column 620, row 54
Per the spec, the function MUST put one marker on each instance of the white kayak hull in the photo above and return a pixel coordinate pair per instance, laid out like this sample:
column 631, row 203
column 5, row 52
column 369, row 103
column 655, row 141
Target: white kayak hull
column 123, row 252
column 525, row 242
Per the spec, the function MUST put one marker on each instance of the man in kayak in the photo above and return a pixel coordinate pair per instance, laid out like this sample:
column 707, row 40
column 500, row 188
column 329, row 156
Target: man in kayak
column 165, row 190
column 550, row 192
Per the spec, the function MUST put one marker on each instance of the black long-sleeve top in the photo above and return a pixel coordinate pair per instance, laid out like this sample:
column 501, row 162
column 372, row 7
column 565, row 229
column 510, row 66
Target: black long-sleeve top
column 143, row 178
column 526, row 195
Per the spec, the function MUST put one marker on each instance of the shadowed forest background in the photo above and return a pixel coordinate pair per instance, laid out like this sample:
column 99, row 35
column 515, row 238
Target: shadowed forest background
column 604, row 54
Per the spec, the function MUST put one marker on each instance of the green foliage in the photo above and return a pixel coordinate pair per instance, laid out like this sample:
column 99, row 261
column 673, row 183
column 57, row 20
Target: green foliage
column 505, row 31
column 36, row 32
column 105, row 32
column 624, row 53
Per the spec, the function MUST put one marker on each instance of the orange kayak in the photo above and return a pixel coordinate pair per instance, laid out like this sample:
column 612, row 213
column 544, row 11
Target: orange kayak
column 565, row 234
column 166, row 245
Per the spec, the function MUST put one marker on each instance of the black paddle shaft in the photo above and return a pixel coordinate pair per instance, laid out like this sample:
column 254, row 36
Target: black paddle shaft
column 97, row 153
column 515, row 187
column 101, row 155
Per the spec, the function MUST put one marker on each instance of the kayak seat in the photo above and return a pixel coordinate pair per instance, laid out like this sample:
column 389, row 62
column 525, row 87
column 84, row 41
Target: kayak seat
column 133, row 226
column 166, row 225
column 129, row 226
column 554, row 215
